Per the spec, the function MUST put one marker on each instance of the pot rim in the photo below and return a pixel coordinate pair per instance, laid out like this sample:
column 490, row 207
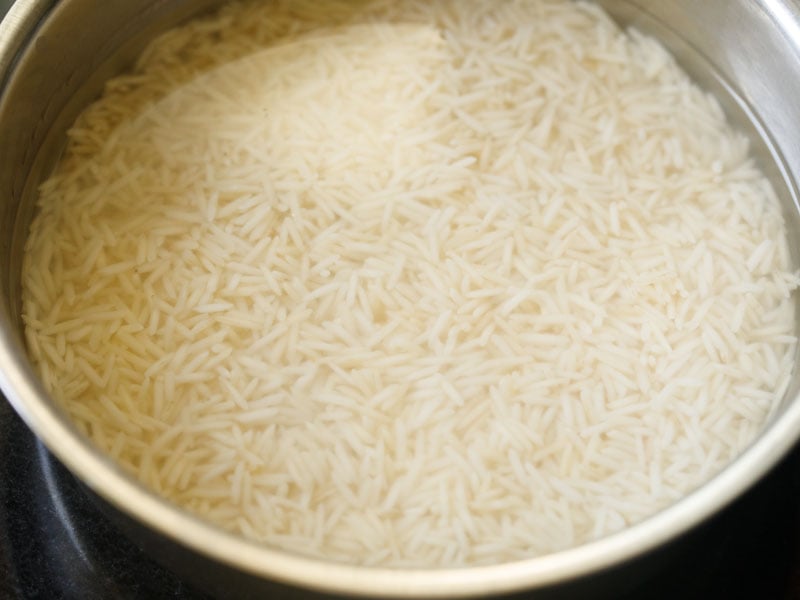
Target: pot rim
column 52, row 426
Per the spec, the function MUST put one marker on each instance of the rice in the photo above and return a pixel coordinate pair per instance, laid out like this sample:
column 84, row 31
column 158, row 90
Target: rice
column 411, row 283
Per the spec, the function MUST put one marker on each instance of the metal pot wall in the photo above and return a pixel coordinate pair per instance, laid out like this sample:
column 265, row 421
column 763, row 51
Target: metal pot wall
column 54, row 58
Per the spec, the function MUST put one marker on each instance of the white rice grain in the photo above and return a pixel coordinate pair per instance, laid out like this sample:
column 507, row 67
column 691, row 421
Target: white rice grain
column 386, row 287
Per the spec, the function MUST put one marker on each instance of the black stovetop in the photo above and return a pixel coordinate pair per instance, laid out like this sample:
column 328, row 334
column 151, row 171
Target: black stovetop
column 56, row 543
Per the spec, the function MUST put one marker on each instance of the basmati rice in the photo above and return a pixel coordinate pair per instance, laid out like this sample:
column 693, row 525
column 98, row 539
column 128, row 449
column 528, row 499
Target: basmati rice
column 411, row 283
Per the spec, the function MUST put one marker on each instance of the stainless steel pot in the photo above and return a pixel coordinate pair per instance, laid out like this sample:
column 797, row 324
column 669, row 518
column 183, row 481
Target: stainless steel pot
column 54, row 58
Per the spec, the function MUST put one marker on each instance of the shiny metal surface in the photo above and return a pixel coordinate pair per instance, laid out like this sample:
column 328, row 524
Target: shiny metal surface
column 54, row 57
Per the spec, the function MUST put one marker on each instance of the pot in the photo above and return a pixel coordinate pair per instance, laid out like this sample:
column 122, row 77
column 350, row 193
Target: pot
column 54, row 59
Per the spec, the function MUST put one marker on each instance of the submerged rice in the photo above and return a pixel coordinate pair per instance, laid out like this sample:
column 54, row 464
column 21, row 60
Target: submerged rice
column 411, row 283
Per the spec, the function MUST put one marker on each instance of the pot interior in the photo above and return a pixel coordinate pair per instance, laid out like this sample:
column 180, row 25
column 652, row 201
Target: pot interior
column 749, row 60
